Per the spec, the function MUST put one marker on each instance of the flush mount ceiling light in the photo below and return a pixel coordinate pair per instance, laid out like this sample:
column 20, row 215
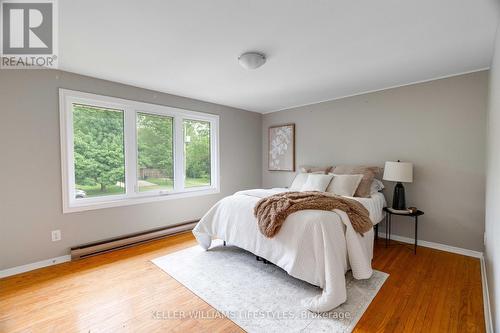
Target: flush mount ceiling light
column 251, row 60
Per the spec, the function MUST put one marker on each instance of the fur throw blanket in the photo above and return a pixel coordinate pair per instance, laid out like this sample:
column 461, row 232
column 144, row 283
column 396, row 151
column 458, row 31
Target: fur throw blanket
column 272, row 211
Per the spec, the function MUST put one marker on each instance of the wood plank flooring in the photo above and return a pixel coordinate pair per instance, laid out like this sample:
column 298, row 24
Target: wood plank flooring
column 432, row 291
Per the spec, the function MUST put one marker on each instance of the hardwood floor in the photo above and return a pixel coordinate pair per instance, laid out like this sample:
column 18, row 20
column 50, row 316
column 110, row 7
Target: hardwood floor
column 432, row 291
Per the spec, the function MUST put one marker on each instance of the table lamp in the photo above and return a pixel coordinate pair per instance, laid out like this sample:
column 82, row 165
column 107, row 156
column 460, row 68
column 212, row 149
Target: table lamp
column 400, row 172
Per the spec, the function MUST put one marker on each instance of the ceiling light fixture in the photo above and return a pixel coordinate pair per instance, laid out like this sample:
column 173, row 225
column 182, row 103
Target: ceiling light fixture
column 252, row 60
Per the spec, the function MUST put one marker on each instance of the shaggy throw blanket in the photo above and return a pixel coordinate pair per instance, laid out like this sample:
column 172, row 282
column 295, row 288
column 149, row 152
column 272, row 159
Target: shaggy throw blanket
column 272, row 211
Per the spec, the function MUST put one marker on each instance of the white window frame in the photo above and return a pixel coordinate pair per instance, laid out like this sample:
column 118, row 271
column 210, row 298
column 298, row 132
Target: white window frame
column 130, row 109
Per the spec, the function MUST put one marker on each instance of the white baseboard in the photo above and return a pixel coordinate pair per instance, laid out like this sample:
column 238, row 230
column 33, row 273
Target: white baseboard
column 33, row 266
column 437, row 246
column 486, row 298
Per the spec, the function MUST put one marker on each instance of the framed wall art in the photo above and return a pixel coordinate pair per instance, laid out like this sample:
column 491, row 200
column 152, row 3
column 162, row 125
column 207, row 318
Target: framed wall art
column 281, row 156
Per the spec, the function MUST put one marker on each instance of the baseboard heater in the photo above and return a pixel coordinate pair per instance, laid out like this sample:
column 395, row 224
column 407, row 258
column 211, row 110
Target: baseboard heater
column 113, row 244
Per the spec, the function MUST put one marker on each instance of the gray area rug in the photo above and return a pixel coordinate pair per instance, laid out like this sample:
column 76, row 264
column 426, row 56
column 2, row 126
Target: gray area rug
column 260, row 297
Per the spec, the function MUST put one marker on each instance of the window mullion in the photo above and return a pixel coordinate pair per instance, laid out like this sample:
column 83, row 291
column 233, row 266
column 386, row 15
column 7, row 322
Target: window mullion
column 178, row 155
column 214, row 153
column 69, row 152
column 130, row 139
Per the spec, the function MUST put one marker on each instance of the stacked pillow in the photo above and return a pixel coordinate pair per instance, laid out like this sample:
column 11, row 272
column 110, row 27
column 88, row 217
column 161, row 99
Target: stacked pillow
column 358, row 181
column 305, row 171
column 318, row 170
column 316, row 182
column 376, row 186
column 299, row 181
column 345, row 185
column 369, row 174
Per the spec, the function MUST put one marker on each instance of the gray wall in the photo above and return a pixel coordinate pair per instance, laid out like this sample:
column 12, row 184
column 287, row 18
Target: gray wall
column 30, row 172
column 492, row 246
column 439, row 126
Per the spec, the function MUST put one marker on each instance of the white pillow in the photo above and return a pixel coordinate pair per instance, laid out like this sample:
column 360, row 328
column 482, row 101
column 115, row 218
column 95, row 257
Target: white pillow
column 376, row 186
column 316, row 182
column 298, row 182
column 344, row 184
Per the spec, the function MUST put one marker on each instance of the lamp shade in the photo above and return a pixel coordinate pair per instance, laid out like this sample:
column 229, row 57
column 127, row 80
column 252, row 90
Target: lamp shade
column 398, row 172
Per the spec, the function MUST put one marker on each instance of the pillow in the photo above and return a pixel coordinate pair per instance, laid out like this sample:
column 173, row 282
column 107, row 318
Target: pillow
column 376, row 186
column 298, row 182
column 316, row 182
column 344, row 184
column 318, row 170
column 368, row 172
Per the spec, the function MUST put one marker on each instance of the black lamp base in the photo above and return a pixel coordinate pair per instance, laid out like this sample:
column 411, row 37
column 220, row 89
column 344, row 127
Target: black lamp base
column 398, row 199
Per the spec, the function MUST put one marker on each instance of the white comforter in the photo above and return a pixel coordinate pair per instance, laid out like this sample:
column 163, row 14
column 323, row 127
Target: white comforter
column 313, row 245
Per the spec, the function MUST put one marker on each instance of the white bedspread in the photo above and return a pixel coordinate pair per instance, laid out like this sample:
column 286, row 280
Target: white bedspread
column 313, row 245
column 374, row 205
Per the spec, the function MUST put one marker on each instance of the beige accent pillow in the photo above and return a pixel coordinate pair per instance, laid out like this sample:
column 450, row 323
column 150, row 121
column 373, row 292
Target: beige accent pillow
column 298, row 181
column 368, row 172
column 345, row 185
column 316, row 182
column 318, row 170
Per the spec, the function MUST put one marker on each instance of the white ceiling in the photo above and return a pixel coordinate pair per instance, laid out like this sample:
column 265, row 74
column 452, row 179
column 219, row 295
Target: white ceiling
column 317, row 50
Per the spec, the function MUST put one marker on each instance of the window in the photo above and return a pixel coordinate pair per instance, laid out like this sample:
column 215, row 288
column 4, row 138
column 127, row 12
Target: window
column 155, row 154
column 117, row 152
column 98, row 150
column 196, row 153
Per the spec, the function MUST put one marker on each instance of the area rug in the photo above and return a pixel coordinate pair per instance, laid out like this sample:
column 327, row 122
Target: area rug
column 262, row 297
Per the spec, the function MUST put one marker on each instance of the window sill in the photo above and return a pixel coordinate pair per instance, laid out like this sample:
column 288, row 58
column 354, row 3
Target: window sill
column 84, row 205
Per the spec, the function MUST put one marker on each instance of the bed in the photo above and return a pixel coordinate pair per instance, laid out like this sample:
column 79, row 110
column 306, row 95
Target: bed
column 315, row 246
